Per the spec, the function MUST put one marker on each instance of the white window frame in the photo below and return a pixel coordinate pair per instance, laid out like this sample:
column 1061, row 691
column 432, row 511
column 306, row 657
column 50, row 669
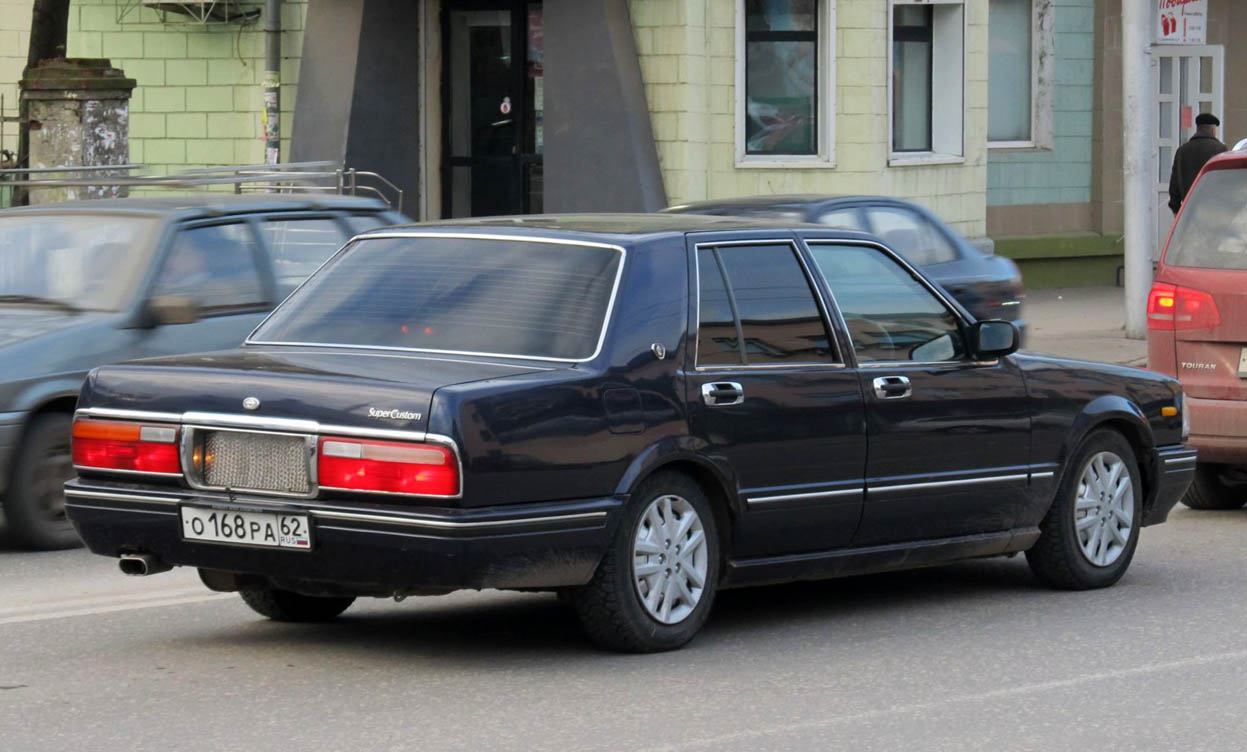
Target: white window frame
column 1043, row 49
column 908, row 158
column 825, row 113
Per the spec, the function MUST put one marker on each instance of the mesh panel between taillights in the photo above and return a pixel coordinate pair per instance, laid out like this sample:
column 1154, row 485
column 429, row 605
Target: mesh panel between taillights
column 255, row 461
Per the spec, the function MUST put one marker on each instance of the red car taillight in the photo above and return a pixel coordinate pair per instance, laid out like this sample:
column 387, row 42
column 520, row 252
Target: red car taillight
column 119, row 445
column 387, row 466
column 1170, row 307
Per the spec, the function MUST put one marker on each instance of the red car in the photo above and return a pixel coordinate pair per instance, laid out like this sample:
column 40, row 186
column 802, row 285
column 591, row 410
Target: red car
column 1197, row 327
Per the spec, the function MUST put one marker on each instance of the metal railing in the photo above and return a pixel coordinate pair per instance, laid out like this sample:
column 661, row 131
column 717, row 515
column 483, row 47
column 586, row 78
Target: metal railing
column 289, row 177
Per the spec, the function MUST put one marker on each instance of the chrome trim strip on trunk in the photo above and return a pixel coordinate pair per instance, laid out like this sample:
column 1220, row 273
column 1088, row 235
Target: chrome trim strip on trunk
column 109, row 412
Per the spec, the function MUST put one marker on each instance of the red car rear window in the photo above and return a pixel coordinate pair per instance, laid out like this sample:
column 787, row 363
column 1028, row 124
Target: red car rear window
column 1212, row 231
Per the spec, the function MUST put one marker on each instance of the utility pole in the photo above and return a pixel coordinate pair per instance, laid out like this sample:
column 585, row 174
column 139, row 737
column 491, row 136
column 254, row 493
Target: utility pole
column 1137, row 181
column 272, row 81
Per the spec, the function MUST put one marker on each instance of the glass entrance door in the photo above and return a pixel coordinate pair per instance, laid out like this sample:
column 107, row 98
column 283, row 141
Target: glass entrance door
column 1186, row 80
column 492, row 107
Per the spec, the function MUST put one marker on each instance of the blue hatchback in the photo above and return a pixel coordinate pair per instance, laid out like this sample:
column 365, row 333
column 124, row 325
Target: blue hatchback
column 990, row 287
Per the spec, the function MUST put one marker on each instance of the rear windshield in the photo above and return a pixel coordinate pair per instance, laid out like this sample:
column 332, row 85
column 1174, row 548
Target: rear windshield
column 1212, row 232
column 463, row 295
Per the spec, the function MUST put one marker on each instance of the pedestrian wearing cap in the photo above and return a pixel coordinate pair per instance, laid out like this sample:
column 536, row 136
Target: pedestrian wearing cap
column 1190, row 157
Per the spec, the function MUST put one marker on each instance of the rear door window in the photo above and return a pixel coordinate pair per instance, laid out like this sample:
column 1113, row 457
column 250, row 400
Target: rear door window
column 215, row 265
column 503, row 296
column 770, row 307
column 910, row 235
column 300, row 246
column 1212, row 231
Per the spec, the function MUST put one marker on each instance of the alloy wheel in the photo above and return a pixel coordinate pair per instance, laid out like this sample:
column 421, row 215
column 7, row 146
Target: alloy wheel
column 1104, row 509
column 669, row 559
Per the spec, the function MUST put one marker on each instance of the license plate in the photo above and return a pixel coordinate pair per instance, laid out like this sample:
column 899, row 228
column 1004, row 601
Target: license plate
column 1242, row 363
column 268, row 529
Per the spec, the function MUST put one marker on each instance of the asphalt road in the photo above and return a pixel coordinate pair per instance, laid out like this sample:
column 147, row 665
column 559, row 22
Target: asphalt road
column 969, row 656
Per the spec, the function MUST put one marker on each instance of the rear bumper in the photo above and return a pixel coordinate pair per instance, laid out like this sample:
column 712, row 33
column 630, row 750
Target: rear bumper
column 1218, row 429
column 366, row 548
column 1175, row 471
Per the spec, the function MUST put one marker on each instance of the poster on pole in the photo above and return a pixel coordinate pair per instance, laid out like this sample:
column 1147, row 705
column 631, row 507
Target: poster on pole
column 1181, row 21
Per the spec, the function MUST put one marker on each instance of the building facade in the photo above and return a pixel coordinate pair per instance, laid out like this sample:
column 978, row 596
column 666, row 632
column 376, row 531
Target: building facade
column 1003, row 116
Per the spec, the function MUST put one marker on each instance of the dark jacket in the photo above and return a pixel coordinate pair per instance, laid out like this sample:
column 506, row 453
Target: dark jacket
column 1187, row 162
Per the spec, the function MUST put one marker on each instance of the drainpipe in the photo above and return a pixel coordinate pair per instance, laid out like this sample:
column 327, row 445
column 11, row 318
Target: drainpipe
column 272, row 81
column 1138, row 181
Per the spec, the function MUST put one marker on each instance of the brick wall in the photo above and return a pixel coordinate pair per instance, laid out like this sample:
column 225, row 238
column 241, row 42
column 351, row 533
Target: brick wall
column 14, row 41
column 199, row 98
column 688, row 50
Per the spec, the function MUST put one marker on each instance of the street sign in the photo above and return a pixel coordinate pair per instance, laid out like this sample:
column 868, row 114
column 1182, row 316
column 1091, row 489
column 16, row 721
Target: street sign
column 1181, row 21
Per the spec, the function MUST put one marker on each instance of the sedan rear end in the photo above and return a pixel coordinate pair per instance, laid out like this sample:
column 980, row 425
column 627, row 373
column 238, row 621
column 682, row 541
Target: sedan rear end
column 1197, row 327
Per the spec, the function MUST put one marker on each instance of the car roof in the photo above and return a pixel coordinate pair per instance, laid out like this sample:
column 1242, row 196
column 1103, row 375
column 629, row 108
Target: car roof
column 620, row 227
column 747, row 203
column 207, row 204
column 1227, row 160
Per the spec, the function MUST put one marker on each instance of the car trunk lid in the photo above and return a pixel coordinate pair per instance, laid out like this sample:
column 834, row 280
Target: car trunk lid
column 356, row 389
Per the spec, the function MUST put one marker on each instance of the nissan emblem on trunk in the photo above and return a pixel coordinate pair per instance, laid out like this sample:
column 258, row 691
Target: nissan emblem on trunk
column 251, row 403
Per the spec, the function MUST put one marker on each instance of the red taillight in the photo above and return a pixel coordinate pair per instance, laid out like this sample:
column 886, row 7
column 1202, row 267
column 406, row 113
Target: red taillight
column 119, row 445
column 1170, row 307
column 387, row 466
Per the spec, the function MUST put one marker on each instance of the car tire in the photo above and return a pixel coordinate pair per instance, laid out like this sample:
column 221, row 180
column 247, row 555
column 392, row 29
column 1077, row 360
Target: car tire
column 1209, row 489
column 1082, row 544
column 285, row 605
column 34, row 505
column 654, row 531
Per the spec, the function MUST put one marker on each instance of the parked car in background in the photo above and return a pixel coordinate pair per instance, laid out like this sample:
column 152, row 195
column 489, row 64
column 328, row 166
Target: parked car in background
column 634, row 410
column 1197, row 326
column 989, row 286
column 93, row 282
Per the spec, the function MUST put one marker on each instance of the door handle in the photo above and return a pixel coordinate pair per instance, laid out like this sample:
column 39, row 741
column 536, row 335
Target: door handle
column 722, row 393
column 892, row 387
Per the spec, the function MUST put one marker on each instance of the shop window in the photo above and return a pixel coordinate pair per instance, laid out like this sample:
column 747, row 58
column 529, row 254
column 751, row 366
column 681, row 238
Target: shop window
column 927, row 81
column 1019, row 53
column 785, row 81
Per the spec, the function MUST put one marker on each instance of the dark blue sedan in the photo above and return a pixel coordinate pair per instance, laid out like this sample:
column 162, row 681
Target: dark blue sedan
column 990, row 287
column 634, row 411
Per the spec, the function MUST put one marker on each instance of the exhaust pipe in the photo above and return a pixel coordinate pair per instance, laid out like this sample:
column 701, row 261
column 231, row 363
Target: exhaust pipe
column 141, row 565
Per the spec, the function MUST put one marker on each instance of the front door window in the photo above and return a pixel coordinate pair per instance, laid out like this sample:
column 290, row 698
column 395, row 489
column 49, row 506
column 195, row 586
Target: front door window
column 494, row 92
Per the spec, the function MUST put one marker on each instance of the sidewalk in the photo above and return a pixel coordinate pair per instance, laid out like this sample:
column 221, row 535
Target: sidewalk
column 1081, row 322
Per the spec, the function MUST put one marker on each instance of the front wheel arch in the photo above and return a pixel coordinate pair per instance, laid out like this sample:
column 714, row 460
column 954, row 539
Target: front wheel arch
column 1116, row 414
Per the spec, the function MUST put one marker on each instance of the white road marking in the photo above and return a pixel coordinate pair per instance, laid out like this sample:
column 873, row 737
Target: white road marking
column 91, row 605
column 995, row 694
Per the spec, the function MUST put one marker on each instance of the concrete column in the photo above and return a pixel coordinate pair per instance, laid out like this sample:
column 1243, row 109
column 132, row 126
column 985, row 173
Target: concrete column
column 1138, row 126
column 79, row 116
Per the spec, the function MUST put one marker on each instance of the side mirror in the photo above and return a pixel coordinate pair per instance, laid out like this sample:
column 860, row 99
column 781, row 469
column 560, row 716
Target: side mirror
column 994, row 339
column 172, row 309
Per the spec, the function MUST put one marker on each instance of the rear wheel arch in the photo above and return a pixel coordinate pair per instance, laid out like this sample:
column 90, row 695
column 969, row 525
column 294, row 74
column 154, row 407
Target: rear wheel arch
column 712, row 484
